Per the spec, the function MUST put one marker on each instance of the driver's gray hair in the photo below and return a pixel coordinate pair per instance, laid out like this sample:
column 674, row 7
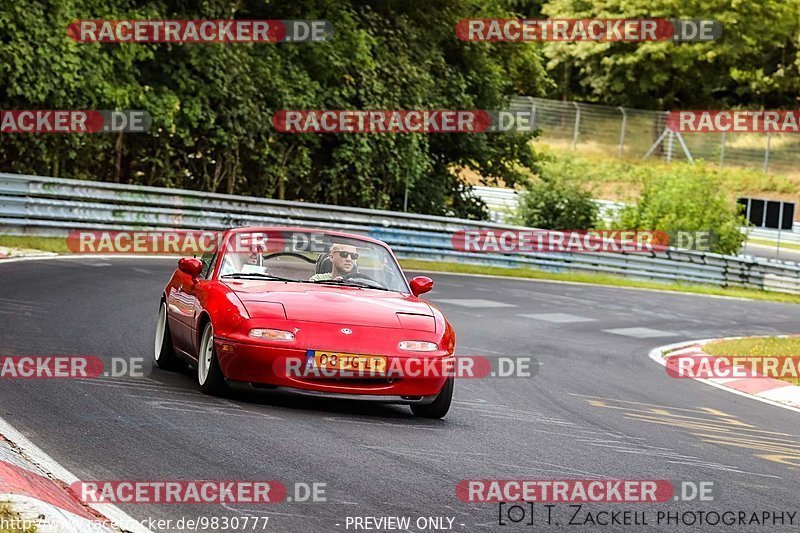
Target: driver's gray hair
column 335, row 247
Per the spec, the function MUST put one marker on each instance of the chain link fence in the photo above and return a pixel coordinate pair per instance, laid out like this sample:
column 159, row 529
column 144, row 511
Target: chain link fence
column 635, row 133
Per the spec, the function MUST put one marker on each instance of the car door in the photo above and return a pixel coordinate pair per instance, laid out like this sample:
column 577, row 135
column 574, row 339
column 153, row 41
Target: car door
column 183, row 305
column 179, row 310
column 194, row 300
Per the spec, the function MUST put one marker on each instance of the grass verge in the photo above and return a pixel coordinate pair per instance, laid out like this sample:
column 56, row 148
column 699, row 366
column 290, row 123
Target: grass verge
column 757, row 347
column 47, row 244
column 613, row 178
column 598, row 279
column 54, row 244
column 772, row 244
column 10, row 521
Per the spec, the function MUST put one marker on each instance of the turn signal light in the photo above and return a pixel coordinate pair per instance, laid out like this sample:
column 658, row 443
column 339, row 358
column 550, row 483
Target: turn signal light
column 272, row 334
column 418, row 346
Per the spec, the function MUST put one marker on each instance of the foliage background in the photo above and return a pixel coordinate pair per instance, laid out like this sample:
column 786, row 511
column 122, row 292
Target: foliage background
column 212, row 103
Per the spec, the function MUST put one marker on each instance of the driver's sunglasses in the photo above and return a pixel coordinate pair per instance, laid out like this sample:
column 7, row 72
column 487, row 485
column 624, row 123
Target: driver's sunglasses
column 345, row 255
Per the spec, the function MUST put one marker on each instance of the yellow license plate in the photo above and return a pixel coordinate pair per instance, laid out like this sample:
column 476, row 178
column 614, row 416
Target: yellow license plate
column 350, row 362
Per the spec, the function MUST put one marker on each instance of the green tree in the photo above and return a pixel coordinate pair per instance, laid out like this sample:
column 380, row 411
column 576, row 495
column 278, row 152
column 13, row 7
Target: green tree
column 212, row 103
column 755, row 63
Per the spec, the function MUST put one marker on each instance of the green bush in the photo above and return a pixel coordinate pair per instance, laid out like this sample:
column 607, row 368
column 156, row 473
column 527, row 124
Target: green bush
column 555, row 201
column 688, row 198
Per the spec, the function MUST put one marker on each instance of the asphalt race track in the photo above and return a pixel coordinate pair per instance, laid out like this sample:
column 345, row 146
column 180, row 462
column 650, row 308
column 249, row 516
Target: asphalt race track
column 597, row 406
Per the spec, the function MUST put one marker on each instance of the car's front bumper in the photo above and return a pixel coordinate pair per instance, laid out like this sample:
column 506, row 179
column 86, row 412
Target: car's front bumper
column 375, row 398
column 264, row 366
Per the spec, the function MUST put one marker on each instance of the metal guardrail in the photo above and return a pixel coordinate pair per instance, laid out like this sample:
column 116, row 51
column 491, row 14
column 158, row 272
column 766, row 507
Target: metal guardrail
column 502, row 203
column 34, row 205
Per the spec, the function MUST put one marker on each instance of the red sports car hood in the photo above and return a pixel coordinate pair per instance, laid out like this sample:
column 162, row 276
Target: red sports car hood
column 334, row 305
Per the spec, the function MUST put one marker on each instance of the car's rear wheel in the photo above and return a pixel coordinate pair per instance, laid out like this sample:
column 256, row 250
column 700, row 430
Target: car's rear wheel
column 163, row 351
column 440, row 406
column 209, row 373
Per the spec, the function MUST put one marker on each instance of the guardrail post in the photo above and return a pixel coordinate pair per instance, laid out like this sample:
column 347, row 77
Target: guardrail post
column 725, row 274
column 780, row 225
column 577, row 125
column 670, row 138
column 685, row 148
column 622, row 131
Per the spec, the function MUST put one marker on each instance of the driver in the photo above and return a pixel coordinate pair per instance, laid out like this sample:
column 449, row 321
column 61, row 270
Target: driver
column 343, row 260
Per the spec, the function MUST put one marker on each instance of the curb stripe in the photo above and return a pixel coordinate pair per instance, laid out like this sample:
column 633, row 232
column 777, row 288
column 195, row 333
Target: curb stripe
column 48, row 466
column 16, row 480
column 782, row 394
column 757, row 385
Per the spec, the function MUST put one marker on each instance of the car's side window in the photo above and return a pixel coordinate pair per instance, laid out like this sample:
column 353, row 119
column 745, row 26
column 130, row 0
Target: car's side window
column 209, row 259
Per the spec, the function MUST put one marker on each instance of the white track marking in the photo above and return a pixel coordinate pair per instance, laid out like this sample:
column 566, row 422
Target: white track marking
column 640, row 333
column 560, row 318
column 55, row 470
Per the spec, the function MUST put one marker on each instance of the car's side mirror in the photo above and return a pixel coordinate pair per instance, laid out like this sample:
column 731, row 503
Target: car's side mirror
column 191, row 266
column 421, row 285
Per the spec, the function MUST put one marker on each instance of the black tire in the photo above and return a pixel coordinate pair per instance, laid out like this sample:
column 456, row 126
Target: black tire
column 214, row 384
column 164, row 354
column 440, row 406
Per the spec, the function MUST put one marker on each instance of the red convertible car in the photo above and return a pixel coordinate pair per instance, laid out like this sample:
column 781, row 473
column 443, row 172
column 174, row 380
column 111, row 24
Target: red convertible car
column 320, row 313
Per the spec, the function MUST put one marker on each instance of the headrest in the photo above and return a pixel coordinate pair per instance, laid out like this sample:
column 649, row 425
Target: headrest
column 324, row 264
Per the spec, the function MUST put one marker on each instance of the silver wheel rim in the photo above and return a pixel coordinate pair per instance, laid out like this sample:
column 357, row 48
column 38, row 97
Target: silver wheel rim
column 205, row 355
column 161, row 329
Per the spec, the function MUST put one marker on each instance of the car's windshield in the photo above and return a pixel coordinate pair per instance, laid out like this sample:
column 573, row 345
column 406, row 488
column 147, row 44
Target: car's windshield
column 311, row 257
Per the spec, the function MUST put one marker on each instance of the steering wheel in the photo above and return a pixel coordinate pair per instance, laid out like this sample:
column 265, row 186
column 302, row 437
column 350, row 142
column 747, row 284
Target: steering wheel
column 357, row 275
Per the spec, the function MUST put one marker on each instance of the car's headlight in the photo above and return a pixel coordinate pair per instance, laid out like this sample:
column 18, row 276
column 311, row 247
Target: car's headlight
column 272, row 334
column 418, row 346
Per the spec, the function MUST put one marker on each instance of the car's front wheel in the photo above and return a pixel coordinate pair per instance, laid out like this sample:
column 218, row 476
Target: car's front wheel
column 440, row 406
column 163, row 351
column 209, row 373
